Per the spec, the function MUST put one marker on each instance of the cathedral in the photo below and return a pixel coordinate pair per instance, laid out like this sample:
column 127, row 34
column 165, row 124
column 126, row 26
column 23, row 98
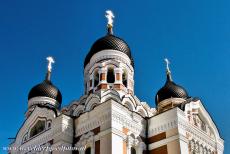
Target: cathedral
column 109, row 118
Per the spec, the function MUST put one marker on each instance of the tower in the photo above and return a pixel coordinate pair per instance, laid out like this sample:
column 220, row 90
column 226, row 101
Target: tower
column 109, row 64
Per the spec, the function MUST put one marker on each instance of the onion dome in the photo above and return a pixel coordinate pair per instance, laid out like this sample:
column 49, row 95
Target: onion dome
column 46, row 88
column 109, row 42
column 170, row 89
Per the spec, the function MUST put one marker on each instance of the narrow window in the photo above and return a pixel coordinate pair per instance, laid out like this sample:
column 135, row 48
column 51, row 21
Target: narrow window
column 49, row 124
column 110, row 76
column 88, row 151
column 133, row 151
column 124, row 79
column 96, row 78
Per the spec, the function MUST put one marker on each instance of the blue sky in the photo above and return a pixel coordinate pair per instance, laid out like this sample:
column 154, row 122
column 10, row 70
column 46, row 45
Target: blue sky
column 193, row 35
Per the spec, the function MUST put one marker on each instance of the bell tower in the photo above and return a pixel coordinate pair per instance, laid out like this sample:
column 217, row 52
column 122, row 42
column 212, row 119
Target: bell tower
column 109, row 64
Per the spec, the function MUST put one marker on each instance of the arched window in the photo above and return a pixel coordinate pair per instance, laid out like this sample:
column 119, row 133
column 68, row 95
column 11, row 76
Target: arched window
column 75, row 152
column 38, row 128
column 110, row 75
column 49, row 124
column 96, row 78
column 133, row 150
column 124, row 79
column 79, row 113
column 88, row 151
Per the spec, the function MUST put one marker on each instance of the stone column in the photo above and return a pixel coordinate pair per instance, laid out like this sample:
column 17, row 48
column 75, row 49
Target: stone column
column 118, row 79
column 102, row 78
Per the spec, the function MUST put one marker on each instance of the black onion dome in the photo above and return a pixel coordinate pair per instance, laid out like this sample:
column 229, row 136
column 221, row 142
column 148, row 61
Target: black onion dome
column 46, row 89
column 109, row 42
column 170, row 90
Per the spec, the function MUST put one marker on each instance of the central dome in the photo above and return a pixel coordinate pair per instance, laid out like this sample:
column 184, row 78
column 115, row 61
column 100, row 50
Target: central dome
column 109, row 42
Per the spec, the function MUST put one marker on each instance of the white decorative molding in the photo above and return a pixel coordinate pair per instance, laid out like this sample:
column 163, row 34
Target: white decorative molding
column 90, row 124
column 130, row 124
column 42, row 101
column 163, row 127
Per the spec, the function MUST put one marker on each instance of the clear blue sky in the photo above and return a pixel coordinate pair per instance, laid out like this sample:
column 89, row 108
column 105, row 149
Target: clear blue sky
column 194, row 35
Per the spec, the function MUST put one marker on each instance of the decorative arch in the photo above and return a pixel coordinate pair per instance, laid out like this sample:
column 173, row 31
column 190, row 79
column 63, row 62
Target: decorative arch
column 92, row 101
column 129, row 105
column 141, row 111
column 79, row 110
column 129, row 98
column 83, row 99
column 110, row 94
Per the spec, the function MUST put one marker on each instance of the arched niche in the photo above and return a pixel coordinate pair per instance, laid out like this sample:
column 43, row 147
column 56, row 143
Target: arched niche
column 110, row 75
column 96, row 78
column 125, row 78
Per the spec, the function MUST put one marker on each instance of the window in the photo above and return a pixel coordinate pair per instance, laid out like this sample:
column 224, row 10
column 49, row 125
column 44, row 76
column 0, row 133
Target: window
column 110, row 75
column 124, row 79
column 88, row 151
column 133, row 151
column 49, row 124
column 38, row 128
column 96, row 78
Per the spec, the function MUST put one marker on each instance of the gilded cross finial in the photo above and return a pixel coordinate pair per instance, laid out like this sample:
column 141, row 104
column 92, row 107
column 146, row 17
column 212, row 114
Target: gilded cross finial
column 109, row 15
column 168, row 72
column 50, row 62
column 167, row 64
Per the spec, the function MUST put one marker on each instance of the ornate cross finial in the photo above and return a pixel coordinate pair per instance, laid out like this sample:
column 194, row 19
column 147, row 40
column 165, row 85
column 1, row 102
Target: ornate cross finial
column 167, row 65
column 50, row 61
column 109, row 15
column 168, row 72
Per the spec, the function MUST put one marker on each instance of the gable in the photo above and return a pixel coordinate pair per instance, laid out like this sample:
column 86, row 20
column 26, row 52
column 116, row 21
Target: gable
column 198, row 116
column 38, row 114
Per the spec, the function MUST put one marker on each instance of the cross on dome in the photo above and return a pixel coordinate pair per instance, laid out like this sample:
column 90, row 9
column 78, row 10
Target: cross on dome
column 168, row 72
column 167, row 64
column 50, row 62
column 109, row 15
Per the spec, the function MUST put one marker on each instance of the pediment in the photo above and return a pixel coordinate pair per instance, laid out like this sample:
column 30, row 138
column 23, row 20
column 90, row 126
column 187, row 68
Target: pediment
column 38, row 114
column 198, row 116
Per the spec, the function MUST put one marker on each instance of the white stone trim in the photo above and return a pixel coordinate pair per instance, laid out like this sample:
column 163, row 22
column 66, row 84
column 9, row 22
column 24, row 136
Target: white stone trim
column 163, row 142
column 42, row 100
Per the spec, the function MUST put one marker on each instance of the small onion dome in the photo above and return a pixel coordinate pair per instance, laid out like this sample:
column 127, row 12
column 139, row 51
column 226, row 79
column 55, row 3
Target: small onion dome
column 109, row 42
column 170, row 90
column 45, row 89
